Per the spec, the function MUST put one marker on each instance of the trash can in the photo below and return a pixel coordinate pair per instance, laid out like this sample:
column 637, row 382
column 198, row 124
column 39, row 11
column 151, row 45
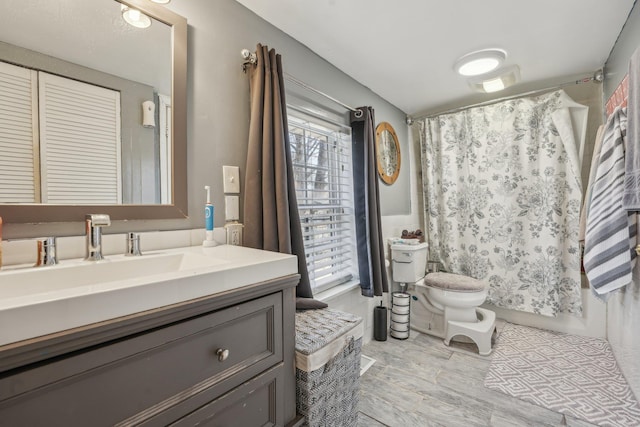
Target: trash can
column 328, row 347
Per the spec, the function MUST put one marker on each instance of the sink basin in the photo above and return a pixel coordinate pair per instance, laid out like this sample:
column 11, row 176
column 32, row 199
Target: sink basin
column 44, row 300
column 73, row 274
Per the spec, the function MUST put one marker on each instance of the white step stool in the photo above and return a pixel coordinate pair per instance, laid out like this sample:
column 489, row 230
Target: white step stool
column 479, row 332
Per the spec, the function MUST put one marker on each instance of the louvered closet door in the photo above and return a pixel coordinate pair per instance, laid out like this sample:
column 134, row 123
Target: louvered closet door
column 18, row 135
column 80, row 142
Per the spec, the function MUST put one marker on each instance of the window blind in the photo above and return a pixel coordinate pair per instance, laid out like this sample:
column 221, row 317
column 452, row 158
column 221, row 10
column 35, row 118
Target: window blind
column 18, row 135
column 80, row 142
column 321, row 160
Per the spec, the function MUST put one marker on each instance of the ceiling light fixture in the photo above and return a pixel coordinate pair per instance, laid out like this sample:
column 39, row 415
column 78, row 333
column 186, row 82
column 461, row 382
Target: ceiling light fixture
column 135, row 17
column 493, row 85
column 161, row 1
column 496, row 81
column 480, row 62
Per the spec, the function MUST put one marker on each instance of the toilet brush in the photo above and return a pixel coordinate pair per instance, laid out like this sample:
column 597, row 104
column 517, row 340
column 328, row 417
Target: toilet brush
column 380, row 323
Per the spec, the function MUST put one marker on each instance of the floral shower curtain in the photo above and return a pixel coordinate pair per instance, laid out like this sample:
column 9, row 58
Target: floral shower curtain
column 502, row 195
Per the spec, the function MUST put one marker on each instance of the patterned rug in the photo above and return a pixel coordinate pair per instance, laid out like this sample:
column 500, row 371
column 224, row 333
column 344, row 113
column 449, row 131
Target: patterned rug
column 573, row 375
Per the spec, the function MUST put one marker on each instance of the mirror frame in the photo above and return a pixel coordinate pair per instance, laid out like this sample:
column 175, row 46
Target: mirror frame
column 18, row 213
column 387, row 179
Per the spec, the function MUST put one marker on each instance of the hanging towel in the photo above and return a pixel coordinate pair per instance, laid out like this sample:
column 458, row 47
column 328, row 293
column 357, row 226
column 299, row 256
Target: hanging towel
column 631, row 200
column 610, row 234
column 592, row 175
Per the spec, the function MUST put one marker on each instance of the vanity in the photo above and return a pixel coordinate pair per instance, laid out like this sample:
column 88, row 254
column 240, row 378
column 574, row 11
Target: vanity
column 198, row 335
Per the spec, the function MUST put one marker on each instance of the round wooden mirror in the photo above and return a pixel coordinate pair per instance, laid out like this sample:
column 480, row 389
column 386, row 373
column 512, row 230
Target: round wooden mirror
column 387, row 153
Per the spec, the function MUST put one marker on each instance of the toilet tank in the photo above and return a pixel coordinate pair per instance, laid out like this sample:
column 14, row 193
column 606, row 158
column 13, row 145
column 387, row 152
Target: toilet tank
column 409, row 262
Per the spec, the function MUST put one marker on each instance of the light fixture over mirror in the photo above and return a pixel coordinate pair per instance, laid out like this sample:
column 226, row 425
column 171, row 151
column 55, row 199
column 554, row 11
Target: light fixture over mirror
column 29, row 44
column 135, row 17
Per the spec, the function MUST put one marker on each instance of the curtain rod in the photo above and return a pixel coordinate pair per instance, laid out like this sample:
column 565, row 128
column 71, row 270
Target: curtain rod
column 598, row 77
column 252, row 58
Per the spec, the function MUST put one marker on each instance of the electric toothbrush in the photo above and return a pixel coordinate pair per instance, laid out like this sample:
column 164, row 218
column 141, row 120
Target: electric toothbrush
column 208, row 220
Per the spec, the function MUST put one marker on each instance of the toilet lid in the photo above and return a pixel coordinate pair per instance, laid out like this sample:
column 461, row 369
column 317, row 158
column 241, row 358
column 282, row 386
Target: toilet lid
column 454, row 282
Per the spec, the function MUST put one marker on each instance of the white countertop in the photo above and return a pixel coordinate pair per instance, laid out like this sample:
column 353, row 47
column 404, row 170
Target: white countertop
column 44, row 300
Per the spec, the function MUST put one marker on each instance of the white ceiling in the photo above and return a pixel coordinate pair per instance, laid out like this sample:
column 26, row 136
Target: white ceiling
column 404, row 50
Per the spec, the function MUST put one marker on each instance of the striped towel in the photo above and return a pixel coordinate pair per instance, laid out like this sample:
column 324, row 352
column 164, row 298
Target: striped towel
column 609, row 246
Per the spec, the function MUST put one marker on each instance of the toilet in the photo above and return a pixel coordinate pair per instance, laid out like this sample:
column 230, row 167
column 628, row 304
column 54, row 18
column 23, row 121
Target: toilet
column 443, row 304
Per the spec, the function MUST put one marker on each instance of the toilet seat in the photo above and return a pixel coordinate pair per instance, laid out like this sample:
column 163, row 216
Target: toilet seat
column 454, row 282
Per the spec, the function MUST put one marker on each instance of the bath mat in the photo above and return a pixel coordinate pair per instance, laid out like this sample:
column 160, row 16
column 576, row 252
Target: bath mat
column 573, row 375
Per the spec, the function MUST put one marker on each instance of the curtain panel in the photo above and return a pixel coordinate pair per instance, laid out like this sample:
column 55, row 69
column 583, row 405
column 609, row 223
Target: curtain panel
column 369, row 242
column 271, row 217
column 502, row 193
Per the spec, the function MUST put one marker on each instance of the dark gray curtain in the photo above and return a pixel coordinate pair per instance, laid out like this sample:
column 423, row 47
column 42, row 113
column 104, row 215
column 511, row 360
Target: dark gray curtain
column 369, row 243
column 271, row 214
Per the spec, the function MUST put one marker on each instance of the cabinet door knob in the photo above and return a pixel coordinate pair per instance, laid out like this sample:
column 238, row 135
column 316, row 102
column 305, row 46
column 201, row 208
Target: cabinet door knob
column 222, row 354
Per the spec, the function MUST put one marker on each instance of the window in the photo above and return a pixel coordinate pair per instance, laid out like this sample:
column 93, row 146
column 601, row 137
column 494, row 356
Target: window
column 321, row 156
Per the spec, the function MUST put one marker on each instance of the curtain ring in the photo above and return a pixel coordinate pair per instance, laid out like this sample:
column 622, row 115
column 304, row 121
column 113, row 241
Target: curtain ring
column 246, row 66
column 357, row 114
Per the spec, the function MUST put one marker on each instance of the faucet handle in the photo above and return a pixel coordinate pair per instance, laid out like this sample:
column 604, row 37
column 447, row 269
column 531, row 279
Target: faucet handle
column 133, row 245
column 46, row 251
column 98, row 220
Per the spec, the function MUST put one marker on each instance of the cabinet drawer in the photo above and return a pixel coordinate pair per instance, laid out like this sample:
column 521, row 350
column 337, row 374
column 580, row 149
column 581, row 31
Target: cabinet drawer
column 137, row 377
column 252, row 404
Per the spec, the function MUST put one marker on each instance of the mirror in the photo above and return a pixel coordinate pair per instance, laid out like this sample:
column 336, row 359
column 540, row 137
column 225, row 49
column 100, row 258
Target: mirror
column 157, row 70
column 387, row 153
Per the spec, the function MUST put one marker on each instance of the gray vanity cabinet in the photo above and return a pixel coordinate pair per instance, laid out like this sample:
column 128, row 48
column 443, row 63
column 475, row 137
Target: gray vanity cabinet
column 224, row 360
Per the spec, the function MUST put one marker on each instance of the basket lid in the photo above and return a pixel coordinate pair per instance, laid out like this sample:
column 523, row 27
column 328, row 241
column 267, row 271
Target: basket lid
column 316, row 328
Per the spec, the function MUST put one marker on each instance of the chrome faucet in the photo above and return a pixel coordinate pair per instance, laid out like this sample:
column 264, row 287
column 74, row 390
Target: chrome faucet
column 133, row 245
column 93, row 229
column 46, row 252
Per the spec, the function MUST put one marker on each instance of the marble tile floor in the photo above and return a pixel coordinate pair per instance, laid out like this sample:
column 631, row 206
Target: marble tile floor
column 421, row 382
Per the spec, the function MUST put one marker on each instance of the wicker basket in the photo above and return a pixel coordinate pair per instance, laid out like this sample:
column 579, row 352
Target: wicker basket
column 328, row 345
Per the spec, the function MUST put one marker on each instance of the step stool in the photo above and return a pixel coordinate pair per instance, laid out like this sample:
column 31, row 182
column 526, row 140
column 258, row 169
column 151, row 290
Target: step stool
column 479, row 332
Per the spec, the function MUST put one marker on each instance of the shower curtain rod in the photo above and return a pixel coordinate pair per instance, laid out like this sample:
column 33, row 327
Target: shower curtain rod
column 252, row 58
column 598, row 77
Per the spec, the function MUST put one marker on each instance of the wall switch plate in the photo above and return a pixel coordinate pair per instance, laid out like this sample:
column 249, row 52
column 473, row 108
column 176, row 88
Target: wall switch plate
column 231, row 208
column 231, row 179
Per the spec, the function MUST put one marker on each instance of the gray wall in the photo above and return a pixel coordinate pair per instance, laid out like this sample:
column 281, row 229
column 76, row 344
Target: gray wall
column 218, row 110
column 617, row 64
column 219, row 97
column 623, row 308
